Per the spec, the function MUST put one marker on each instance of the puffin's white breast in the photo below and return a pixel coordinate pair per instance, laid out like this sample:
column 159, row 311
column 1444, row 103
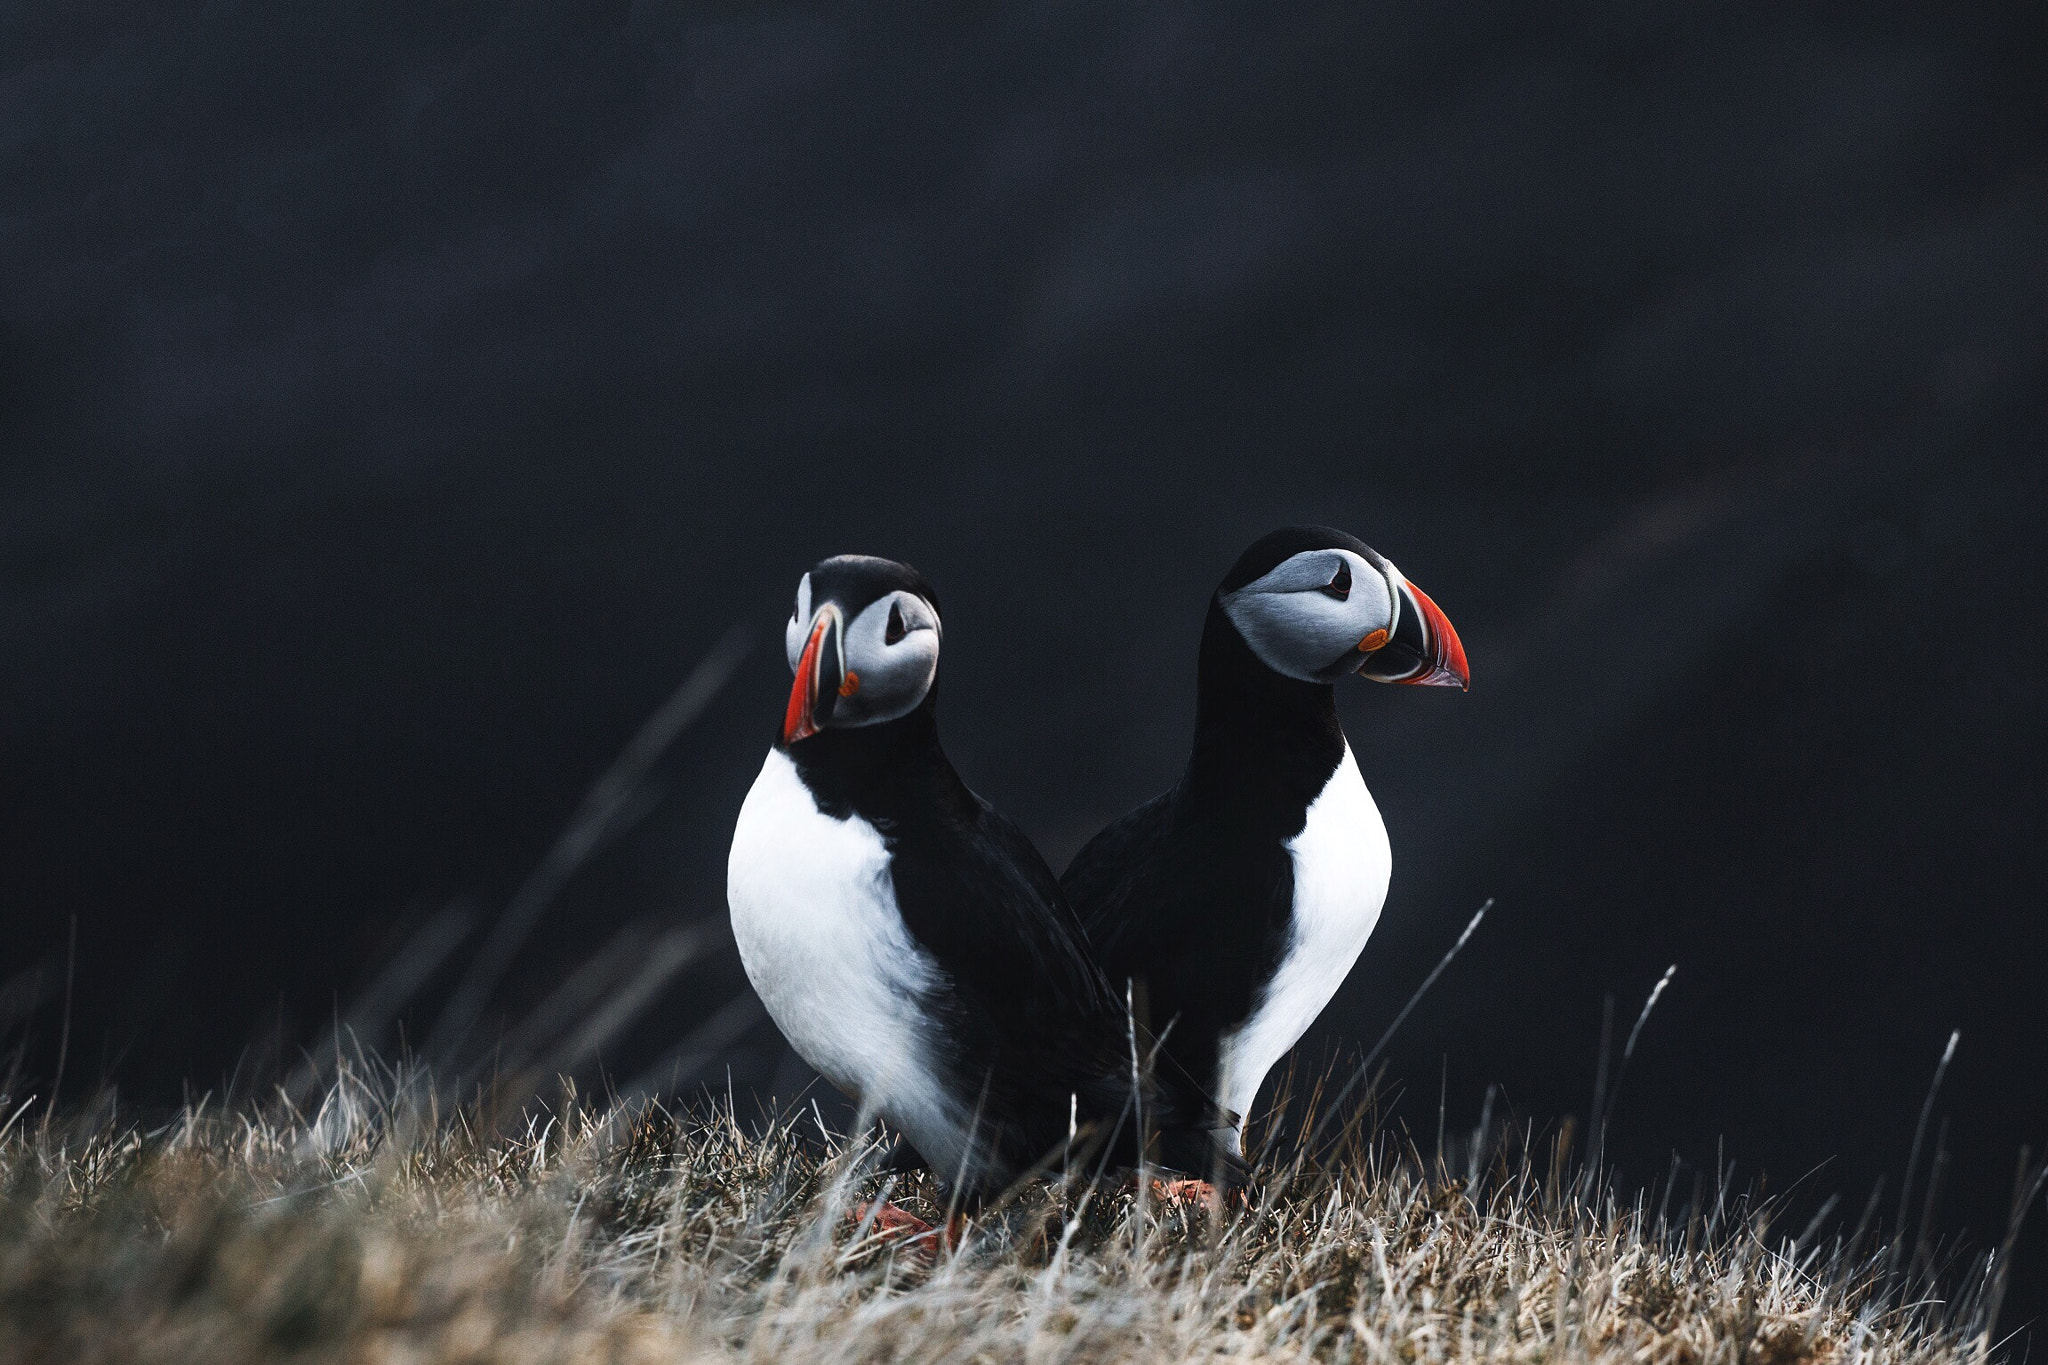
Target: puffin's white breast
column 814, row 913
column 1341, row 864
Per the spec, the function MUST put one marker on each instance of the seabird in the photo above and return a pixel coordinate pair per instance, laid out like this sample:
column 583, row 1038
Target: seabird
column 1238, row 900
column 907, row 939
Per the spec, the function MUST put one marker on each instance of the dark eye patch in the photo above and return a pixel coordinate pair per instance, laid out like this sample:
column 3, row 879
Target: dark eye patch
column 1339, row 585
column 895, row 630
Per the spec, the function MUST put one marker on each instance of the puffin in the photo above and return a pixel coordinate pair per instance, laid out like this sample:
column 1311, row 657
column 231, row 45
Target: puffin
column 909, row 940
column 1237, row 901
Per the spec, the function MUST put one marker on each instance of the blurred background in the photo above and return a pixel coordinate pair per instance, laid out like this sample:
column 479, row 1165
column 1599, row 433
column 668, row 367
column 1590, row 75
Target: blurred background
column 405, row 407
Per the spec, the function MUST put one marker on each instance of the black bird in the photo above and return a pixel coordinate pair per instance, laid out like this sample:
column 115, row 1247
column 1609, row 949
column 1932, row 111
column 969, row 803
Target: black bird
column 1241, row 897
column 908, row 940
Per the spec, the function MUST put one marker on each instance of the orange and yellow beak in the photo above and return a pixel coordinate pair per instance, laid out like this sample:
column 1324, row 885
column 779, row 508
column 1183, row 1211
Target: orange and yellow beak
column 1424, row 649
column 1444, row 662
column 819, row 670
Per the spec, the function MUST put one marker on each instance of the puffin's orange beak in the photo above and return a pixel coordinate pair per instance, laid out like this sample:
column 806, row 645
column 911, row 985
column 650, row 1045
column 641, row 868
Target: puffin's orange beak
column 1444, row 663
column 816, row 688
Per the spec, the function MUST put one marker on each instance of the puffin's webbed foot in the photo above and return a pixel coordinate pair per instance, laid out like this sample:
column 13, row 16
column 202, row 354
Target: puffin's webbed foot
column 1180, row 1191
column 1186, row 1193
column 894, row 1224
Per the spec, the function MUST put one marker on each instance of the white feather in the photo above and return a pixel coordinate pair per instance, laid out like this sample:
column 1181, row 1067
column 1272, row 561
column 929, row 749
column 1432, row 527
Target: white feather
column 814, row 913
column 1341, row 865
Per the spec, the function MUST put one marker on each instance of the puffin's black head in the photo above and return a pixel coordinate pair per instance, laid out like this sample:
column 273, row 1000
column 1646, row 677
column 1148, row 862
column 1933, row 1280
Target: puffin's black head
column 864, row 642
column 1314, row 604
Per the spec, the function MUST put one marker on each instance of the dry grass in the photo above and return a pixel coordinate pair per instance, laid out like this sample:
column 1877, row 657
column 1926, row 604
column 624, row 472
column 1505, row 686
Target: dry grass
column 380, row 1230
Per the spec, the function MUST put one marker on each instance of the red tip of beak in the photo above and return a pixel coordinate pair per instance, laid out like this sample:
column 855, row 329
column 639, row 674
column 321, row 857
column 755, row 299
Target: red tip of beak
column 800, row 721
column 1446, row 667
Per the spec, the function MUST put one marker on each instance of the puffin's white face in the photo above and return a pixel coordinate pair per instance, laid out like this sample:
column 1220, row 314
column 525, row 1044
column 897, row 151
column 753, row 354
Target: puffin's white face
column 873, row 668
column 1316, row 615
column 1320, row 614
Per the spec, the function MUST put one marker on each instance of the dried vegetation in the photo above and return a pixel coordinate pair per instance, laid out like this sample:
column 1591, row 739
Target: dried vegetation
column 382, row 1229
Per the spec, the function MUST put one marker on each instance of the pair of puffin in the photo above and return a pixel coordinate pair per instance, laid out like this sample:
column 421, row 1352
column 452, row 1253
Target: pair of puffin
column 916, row 950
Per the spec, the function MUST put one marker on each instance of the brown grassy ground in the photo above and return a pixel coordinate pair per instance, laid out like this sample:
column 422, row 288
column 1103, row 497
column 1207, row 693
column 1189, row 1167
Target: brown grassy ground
column 375, row 1230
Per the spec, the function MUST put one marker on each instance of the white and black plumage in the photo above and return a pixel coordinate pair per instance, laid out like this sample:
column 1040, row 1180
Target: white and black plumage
column 1241, row 897
column 907, row 939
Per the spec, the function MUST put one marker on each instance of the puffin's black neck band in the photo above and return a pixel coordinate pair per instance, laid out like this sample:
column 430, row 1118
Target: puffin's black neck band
column 1264, row 742
column 883, row 773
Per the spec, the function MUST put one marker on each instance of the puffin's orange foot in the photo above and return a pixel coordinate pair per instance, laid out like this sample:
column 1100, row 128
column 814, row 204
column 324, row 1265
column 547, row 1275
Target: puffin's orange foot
column 1185, row 1191
column 1188, row 1194
column 891, row 1221
column 894, row 1224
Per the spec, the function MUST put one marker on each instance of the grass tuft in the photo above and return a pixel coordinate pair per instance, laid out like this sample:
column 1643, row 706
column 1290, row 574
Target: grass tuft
column 382, row 1227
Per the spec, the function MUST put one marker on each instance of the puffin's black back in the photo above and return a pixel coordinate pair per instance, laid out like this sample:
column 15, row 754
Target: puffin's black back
column 1192, row 892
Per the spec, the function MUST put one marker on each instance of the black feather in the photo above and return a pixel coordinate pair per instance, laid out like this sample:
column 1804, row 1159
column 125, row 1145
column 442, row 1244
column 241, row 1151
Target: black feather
column 1192, row 893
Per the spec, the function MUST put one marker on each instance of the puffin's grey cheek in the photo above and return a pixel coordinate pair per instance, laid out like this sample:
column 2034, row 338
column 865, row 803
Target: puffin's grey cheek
column 1290, row 633
column 885, row 681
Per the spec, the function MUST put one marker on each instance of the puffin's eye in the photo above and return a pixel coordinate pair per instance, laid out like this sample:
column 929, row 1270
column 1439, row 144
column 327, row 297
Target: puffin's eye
column 1339, row 585
column 895, row 629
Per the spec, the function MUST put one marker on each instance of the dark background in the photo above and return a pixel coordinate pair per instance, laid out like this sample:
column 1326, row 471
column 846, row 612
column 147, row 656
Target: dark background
column 398, row 401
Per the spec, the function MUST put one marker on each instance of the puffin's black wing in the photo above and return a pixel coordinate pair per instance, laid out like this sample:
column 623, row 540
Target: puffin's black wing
column 1107, row 880
column 1196, row 908
column 989, row 910
column 1034, row 1018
